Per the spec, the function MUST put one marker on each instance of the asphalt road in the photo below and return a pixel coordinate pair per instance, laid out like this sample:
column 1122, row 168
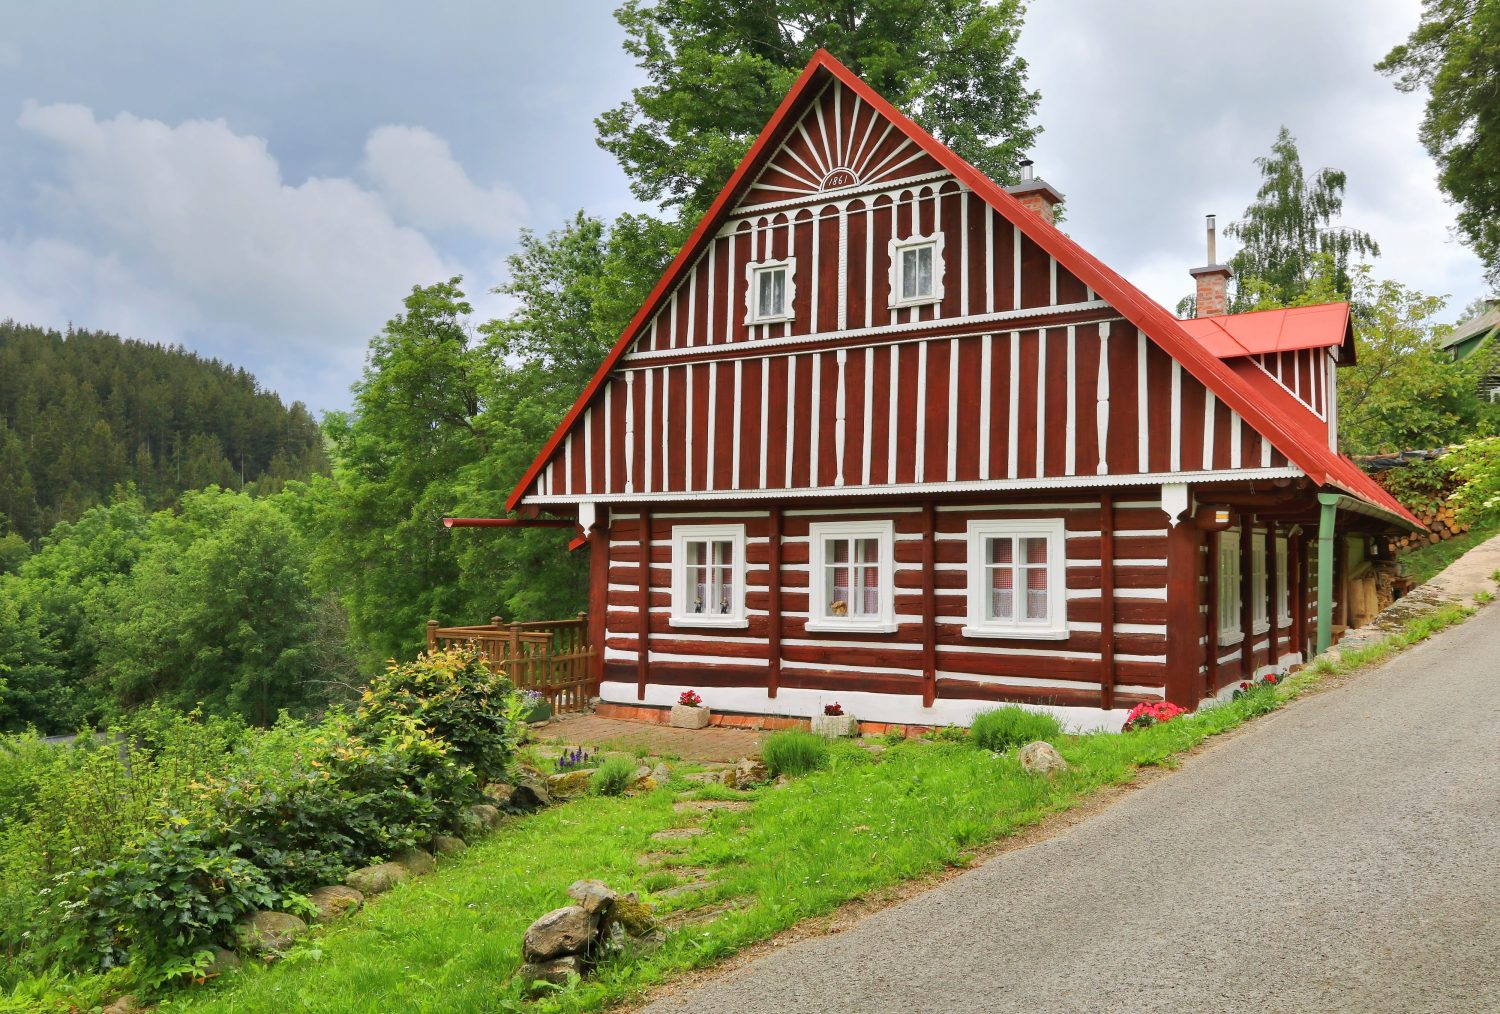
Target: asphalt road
column 1341, row 855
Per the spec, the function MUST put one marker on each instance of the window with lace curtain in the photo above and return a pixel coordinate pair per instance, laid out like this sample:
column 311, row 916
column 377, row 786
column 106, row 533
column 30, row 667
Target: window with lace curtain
column 708, row 576
column 1017, row 577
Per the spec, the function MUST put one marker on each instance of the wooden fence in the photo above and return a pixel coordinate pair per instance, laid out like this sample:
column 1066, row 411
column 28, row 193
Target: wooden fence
column 552, row 657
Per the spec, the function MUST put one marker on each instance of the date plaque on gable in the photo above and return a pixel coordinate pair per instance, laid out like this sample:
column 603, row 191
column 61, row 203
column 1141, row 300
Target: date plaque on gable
column 838, row 179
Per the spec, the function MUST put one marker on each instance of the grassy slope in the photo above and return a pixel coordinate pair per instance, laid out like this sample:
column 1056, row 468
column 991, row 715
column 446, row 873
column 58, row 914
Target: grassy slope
column 1427, row 561
column 451, row 941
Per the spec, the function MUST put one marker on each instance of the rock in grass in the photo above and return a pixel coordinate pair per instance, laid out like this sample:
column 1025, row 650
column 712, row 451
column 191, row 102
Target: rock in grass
column 124, row 1004
column 749, row 773
column 486, row 815
column 269, row 932
column 570, row 783
column 529, row 794
column 378, row 879
column 417, row 862
column 661, row 774
column 594, row 896
column 560, row 932
column 499, row 792
column 556, row 971
column 224, row 960
column 335, row 901
column 1041, row 758
column 447, row 845
column 632, row 916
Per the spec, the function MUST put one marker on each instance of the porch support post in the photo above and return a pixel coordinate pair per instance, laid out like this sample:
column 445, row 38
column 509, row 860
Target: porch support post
column 1328, row 503
column 594, row 630
column 1184, row 651
column 1273, row 603
column 1247, row 598
column 1296, row 583
column 929, row 604
column 773, row 602
column 1106, row 600
column 643, row 640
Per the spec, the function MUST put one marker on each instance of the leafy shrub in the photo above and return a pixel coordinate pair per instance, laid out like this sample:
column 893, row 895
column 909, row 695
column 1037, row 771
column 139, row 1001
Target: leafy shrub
column 1003, row 728
column 613, row 777
column 179, row 893
column 450, row 695
column 794, row 752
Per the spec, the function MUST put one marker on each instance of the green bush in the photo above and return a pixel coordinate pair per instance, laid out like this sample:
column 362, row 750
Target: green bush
column 794, row 752
column 613, row 777
column 1010, row 726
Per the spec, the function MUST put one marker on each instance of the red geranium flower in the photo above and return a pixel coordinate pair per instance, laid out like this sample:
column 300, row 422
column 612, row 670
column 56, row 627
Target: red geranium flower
column 690, row 699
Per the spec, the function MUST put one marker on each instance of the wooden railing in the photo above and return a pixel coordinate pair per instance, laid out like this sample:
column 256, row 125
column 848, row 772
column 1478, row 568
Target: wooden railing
column 552, row 657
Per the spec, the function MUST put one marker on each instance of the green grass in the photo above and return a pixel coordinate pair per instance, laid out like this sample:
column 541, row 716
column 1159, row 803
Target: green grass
column 1003, row 728
column 449, row 942
column 794, row 753
column 612, row 777
column 1426, row 562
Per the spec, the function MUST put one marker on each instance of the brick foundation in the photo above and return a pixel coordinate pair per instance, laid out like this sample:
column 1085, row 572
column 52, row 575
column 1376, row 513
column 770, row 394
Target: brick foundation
column 770, row 723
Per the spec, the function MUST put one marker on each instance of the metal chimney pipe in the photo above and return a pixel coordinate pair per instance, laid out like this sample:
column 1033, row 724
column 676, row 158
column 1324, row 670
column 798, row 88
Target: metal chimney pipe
column 1025, row 170
column 1212, row 245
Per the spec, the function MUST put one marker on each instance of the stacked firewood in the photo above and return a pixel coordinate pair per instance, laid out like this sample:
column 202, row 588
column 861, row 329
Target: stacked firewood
column 1440, row 523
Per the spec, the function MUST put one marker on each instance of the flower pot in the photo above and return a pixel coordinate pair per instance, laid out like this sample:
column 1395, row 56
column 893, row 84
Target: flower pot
column 541, row 711
column 687, row 717
column 835, row 726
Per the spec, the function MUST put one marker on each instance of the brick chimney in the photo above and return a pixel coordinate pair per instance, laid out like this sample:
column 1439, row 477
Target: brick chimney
column 1036, row 194
column 1213, row 280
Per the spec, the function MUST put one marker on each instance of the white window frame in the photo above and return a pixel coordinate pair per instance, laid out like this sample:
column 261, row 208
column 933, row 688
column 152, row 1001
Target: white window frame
column 1259, row 621
column 1283, row 585
column 897, row 246
column 753, row 271
column 1230, row 607
column 682, row 614
column 1055, row 626
column 819, row 618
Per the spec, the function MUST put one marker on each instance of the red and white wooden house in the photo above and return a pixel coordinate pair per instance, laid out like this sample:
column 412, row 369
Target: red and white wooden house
column 884, row 434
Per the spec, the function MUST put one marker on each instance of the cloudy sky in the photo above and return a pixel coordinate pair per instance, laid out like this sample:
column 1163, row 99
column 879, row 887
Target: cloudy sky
column 264, row 182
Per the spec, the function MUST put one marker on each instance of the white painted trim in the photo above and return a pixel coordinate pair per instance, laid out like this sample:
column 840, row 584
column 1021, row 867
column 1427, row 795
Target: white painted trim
column 1101, row 400
column 844, row 195
column 967, row 486
column 979, row 624
column 1041, row 401
column 752, row 270
column 820, row 618
column 986, row 354
column 894, row 249
column 681, row 615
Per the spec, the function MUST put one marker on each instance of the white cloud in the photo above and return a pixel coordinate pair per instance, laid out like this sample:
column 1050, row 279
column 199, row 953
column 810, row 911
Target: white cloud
column 414, row 170
column 191, row 233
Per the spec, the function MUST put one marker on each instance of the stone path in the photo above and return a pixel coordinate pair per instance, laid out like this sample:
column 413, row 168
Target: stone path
column 1341, row 855
column 711, row 744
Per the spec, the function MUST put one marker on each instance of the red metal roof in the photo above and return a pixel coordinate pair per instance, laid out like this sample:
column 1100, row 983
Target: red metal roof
column 1312, row 456
column 1266, row 332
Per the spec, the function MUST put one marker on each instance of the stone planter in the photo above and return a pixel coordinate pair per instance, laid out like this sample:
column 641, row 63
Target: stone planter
column 685, row 717
column 835, row 726
column 541, row 711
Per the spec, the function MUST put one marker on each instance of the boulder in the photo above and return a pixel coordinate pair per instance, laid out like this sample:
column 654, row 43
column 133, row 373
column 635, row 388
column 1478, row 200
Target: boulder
column 635, row 918
column 499, row 792
column 447, row 845
column 529, row 794
column 124, row 1004
column 556, row 971
column 570, row 783
column 335, row 901
column 224, row 960
column 269, row 932
column 661, row 774
column 560, row 932
column 594, row 896
column 417, row 862
column 750, row 772
column 1041, row 758
column 486, row 815
column 378, row 879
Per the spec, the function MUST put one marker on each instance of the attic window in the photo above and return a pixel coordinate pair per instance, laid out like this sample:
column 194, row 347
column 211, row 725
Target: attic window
column 916, row 270
column 771, row 289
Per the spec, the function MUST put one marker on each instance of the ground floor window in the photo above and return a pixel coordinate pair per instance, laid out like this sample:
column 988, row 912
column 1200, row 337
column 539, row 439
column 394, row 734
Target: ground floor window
column 1283, row 584
column 1259, row 621
column 708, row 575
column 1017, row 578
column 851, row 586
column 1229, row 586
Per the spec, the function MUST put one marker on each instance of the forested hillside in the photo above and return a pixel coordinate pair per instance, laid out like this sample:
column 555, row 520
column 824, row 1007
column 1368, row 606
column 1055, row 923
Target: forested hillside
column 86, row 411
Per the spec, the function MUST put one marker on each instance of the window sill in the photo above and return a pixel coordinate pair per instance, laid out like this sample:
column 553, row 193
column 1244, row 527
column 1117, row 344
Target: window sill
column 781, row 319
column 902, row 304
column 827, row 626
column 723, row 622
column 1019, row 633
column 1228, row 639
column 1260, row 627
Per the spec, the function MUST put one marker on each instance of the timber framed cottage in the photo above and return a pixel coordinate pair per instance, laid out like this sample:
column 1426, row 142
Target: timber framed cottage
column 883, row 434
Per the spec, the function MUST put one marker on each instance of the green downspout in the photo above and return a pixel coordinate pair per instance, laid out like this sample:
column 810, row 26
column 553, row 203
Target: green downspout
column 1329, row 507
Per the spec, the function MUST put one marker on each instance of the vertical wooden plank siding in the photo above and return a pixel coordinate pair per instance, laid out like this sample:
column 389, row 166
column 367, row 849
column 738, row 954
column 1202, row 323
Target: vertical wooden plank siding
column 1106, row 601
column 1211, row 675
column 1184, row 653
column 643, row 650
column 598, row 602
column 1247, row 600
column 773, row 602
column 929, row 604
column 1297, row 593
